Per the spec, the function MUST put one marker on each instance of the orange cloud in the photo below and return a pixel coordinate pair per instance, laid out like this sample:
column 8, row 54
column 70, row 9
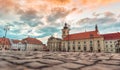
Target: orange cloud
column 46, row 6
column 99, row 2
column 59, row 2
column 8, row 5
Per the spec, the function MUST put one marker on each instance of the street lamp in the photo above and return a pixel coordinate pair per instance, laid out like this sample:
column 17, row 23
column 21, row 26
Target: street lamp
column 68, row 38
column 25, row 45
column 6, row 28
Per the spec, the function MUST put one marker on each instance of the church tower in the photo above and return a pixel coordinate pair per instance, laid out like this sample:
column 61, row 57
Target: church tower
column 65, row 31
column 96, row 28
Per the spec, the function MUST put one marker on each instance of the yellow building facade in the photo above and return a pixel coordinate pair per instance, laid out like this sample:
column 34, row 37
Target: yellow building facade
column 88, row 41
column 54, row 44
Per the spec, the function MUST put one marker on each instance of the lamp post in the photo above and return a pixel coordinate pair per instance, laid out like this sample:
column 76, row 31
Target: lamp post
column 5, row 29
column 68, row 38
column 25, row 45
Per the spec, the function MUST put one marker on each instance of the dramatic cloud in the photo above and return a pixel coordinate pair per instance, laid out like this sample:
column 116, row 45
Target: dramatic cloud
column 42, row 18
column 59, row 2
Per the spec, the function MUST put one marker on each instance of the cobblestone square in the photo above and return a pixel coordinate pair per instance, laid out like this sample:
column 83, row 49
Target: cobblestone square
column 29, row 60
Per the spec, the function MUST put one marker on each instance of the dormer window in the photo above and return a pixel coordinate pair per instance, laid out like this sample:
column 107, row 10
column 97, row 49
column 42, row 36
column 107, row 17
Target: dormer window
column 91, row 35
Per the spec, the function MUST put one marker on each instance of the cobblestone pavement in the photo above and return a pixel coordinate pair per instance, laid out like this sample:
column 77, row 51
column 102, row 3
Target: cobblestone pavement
column 14, row 60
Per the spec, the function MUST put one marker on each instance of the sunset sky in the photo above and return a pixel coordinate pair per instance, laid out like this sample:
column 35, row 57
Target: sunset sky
column 43, row 18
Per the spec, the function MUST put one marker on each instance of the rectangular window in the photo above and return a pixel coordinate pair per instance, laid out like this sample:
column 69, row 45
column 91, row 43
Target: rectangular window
column 110, row 41
column 91, row 45
column 79, row 47
column 73, row 42
column 84, row 45
column 68, row 42
column 84, row 42
column 98, row 41
column 73, row 47
column 90, row 42
column 98, row 45
column 111, row 46
column 106, row 46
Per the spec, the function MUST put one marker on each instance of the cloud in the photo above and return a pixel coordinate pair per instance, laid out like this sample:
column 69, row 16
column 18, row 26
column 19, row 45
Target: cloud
column 97, row 2
column 47, row 31
column 59, row 2
column 57, row 13
column 109, row 14
column 9, row 5
column 46, row 17
column 31, row 18
column 44, row 39
column 46, row 5
column 107, row 17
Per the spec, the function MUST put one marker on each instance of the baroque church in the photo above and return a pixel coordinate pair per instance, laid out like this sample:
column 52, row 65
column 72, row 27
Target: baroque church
column 90, row 41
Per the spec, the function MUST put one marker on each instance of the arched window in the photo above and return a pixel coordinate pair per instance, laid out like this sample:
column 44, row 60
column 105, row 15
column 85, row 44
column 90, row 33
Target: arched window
column 85, row 49
column 90, row 42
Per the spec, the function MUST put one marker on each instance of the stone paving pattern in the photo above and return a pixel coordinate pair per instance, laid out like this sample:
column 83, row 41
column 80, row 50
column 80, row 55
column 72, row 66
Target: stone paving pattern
column 27, row 60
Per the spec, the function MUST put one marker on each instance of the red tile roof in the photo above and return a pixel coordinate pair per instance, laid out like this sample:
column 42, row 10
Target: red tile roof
column 16, row 41
column 84, row 35
column 4, row 41
column 32, row 41
column 111, row 36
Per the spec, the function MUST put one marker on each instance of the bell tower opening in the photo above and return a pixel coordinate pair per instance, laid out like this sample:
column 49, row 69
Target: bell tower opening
column 65, row 31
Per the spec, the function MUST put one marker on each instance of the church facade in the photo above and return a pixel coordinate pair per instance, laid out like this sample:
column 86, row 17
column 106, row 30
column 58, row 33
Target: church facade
column 54, row 44
column 90, row 41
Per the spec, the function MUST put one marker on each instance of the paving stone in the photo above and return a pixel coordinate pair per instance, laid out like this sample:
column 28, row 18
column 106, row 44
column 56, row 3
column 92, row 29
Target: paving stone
column 19, row 62
column 29, row 60
column 5, row 64
column 35, row 65
column 55, row 68
column 84, row 62
column 7, row 58
column 101, row 67
column 110, row 62
column 70, row 65
column 49, row 61
column 103, row 57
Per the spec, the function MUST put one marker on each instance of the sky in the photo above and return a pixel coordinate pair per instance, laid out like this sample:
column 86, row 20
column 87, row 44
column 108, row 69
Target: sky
column 42, row 18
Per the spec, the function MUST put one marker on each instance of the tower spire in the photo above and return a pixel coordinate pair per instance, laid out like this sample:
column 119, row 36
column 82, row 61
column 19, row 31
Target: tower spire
column 65, row 30
column 65, row 26
column 96, row 28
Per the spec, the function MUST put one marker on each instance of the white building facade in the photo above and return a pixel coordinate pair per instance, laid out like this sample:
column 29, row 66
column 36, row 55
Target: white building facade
column 54, row 44
column 33, row 44
column 17, row 45
column 111, row 42
column 90, row 41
